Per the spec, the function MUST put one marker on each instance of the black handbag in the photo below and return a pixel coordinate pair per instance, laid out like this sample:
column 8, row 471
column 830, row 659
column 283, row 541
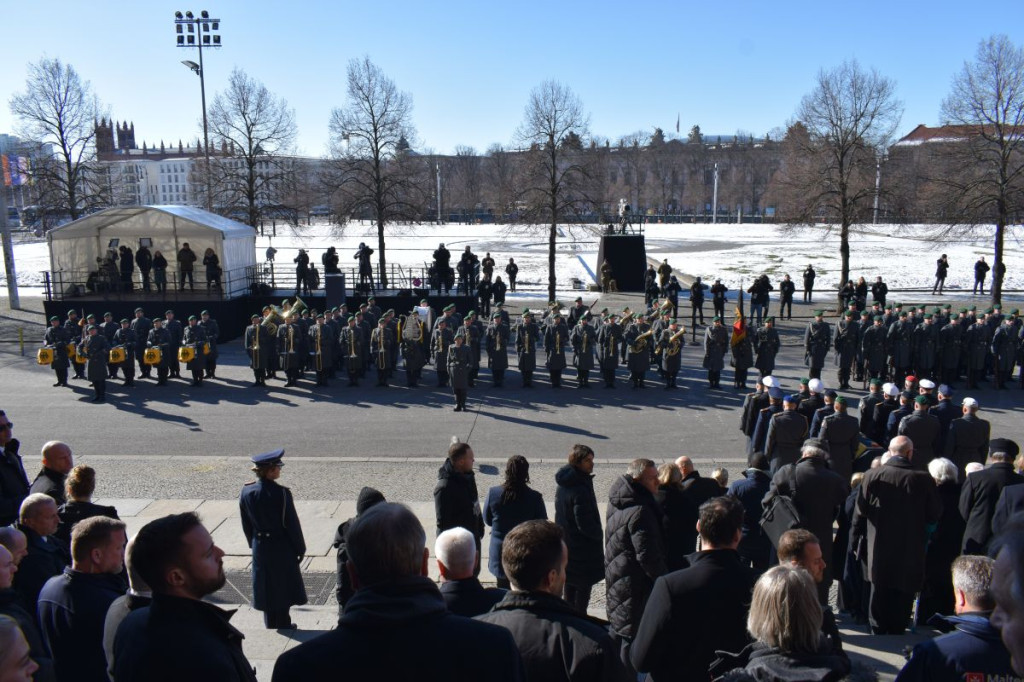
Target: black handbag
column 781, row 514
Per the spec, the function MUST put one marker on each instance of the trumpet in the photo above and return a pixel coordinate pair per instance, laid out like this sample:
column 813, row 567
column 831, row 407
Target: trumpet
column 640, row 342
column 351, row 343
column 319, row 355
column 382, row 350
column 256, row 345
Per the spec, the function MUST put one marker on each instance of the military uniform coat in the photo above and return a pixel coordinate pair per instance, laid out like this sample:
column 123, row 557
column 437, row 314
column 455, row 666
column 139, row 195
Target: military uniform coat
column 817, row 340
column 899, row 342
column 922, row 429
column 638, row 361
column 716, row 342
column 609, row 342
column 527, row 338
column 975, row 345
column 289, row 351
column 497, row 346
column 323, row 335
column 842, row 433
column 126, row 338
column 950, row 340
column 926, row 344
column 846, row 342
column 460, row 363
column 671, row 352
column 439, row 343
column 967, row 440
column 556, row 337
column 413, row 349
column 195, row 337
column 873, row 348
column 97, row 350
column 584, row 340
column 159, row 338
column 257, row 346
column 57, row 339
column 1004, row 347
column 350, row 345
column 141, row 327
column 381, row 343
column 766, row 344
column 786, row 434
column 272, row 529
column 212, row 330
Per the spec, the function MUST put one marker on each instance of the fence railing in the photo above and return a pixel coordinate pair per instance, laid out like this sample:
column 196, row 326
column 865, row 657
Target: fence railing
column 59, row 285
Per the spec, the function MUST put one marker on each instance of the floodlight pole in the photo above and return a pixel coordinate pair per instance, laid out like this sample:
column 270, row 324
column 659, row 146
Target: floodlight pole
column 199, row 22
column 8, row 247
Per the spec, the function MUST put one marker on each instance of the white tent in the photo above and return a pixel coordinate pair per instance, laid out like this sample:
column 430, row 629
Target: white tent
column 75, row 247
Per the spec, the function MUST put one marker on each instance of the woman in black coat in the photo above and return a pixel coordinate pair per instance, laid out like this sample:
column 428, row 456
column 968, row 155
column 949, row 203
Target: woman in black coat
column 508, row 505
column 271, row 527
column 212, row 263
column 943, row 545
column 679, row 517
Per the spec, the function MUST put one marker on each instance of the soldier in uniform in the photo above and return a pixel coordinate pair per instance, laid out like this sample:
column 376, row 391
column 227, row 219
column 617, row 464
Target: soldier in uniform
column 97, row 350
column 322, row 346
column 697, row 302
column 257, row 347
column 925, row 343
column 289, row 346
column 159, row 337
column 449, row 315
column 527, row 338
column 766, row 345
column 866, row 407
column 365, row 329
column 212, row 330
column 975, row 348
column 842, row 433
column 460, row 359
column 56, row 338
column 472, row 334
column 583, row 339
column 900, row 344
column 195, row 338
column 497, row 349
column 847, row 336
column 786, row 434
column 609, row 338
column 716, row 342
column 126, row 337
column 1004, row 348
column 176, row 331
column 576, row 312
column 556, row 338
column 381, row 343
column 635, row 353
column 440, row 340
column 759, row 441
column 817, row 339
column 670, row 346
column 950, row 342
column 108, row 328
column 272, row 530
column 742, row 352
column 413, row 347
column 350, row 345
column 141, row 326
column 74, row 329
column 873, row 344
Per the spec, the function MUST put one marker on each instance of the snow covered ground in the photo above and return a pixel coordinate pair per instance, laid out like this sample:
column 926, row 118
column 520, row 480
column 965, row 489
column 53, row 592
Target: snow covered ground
column 903, row 255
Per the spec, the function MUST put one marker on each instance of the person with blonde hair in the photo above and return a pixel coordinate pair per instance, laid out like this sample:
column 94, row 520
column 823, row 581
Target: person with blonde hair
column 679, row 516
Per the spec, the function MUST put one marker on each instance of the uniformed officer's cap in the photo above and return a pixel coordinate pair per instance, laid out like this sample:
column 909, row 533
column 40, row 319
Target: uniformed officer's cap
column 54, row 318
column 139, row 310
column 775, row 393
column 254, row 316
column 793, row 398
column 1003, row 445
column 819, row 313
column 108, row 314
column 840, row 400
column 875, row 382
column 816, row 385
column 890, row 389
column 970, row 402
column 90, row 316
column 269, row 459
column 927, row 384
column 125, row 320
column 90, row 328
column 191, row 317
column 921, row 400
column 450, row 306
column 321, row 316
column 770, row 319
column 769, row 381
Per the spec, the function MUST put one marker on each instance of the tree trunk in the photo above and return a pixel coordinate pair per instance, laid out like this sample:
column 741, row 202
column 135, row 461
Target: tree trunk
column 844, row 257
column 383, row 279
column 997, row 275
column 552, row 235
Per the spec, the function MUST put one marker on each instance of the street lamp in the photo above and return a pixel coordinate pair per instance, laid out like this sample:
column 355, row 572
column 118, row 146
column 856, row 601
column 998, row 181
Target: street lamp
column 199, row 32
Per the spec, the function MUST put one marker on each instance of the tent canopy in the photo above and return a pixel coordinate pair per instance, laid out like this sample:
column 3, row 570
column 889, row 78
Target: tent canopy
column 75, row 247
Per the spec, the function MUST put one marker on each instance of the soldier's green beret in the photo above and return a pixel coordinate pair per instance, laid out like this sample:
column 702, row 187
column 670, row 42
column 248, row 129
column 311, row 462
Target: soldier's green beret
column 804, row 381
column 125, row 320
column 921, row 400
column 718, row 318
column 937, row 311
column 927, row 316
column 556, row 314
column 319, row 315
column 903, row 313
column 500, row 304
column 108, row 314
column 54, row 318
column 850, row 314
column 947, row 306
column 527, row 313
column 840, row 400
column 963, row 311
column 191, row 317
column 423, row 301
column 471, row 313
column 495, row 316
column 874, row 303
column 284, row 302
column 205, row 312
column 72, row 312
column 888, row 306
column 819, row 313
column 973, row 308
column 363, row 305
column 352, row 318
column 769, row 319
column 391, row 311
column 382, row 321
column 879, row 318
column 989, row 311
column 875, row 382
column 579, row 299
column 604, row 311
column 1015, row 312
column 254, row 316
column 139, row 310
column 91, row 327
column 865, row 313
column 90, row 316
column 370, row 298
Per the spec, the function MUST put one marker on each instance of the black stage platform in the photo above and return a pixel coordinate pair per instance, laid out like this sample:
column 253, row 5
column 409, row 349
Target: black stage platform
column 627, row 254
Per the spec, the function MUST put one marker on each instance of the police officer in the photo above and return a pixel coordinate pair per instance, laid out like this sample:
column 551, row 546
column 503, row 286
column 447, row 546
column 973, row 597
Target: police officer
column 817, row 339
column 272, row 529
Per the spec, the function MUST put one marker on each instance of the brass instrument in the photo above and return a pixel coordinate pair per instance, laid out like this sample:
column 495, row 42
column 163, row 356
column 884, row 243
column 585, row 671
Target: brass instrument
column 640, row 342
column 319, row 354
column 674, row 346
column 584, row 335
column 382, row 360
column 352, row 343
column 256, row 344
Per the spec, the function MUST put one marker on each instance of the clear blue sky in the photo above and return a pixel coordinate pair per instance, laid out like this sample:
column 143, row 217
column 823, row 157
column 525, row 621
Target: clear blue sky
column 470, row 66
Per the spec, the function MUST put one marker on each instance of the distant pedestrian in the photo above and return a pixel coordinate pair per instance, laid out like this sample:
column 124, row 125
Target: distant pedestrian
column 809, row 276
column 941, row 269
column 981, row 269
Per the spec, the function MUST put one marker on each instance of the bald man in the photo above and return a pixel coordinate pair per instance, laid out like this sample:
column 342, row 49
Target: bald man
column 697, row 488
column 57, row 464
column 15, row 542
column 10, row 607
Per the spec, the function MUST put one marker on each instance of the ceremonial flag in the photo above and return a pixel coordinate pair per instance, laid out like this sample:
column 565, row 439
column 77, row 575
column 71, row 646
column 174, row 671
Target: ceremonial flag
column 739, row 331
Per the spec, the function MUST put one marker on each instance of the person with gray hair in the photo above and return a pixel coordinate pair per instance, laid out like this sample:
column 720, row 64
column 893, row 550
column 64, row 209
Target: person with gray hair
column 395, row 601
column 46, row 557
column 895, row 507
column 15, row 542
column 463, row 594
column 981, row 493
column 138, row 596
column 943, row 544
column 634, row 553
column 10, row 607
column 819, row 495
column 785, row 623
column 15, row 661
column 972, row 646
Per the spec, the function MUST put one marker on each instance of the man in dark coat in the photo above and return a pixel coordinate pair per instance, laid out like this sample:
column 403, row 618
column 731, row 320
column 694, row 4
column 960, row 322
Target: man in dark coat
column 981, row 492
column 759, row 441
column 847, row 345
column 634, row 555
column 583, row 338
column 1010, row 502
column 809, row 276
column 945, row 411
column 576, row 512
column 177, row 332
column 972, row 648
column 609, row 340
column 867, row 404
column 13, row 481
column 698, row 610
column 697, row 302
column 968, row 437
column 195, row 338
column 456, row 503
column 981, row 269
column 818, row 494
column 754, row 547
column 817, row 341
column 905, row 409
column 896, row 505
column 766, row 345
column 716, row 343
column 46, row 556
column 10, row 607
column 556, row 641
column 97, row 351
column 272, row 531
column 874, row 348
column 753, row 403
column 497, row 348
column 179, row 636
column 527, row 338
column 463, row 594
column 73, row 606
column 842, row 434
column 460, row 367
column 395, row 601
column 883, row 411
column 786, row 433
column 923, row 430
column 57, row 464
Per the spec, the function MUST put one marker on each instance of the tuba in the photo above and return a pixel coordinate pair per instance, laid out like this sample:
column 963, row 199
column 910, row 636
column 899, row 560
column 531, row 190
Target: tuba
column 673, row 346
column 640, row 343
column 256, row 343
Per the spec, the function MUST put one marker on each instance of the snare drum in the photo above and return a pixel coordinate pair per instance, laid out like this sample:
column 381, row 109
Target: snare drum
column 186, row 354
column 44, row 356
column 152, row 356
column 117, row 355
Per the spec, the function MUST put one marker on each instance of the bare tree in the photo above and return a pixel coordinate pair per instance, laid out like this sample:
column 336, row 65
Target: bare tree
column 850, row 116
column 260, row 130
column 369, row 138
column 556, row 176
column 58, row 108
column 987, row 97
column 502, row 169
